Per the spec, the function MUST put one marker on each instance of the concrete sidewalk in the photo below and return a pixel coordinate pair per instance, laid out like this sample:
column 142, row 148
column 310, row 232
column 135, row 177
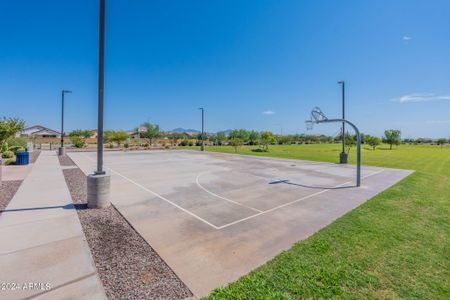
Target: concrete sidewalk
column 43, row 250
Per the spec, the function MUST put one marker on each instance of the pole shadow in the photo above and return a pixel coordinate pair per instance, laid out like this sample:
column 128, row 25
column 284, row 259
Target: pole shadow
column 286, row 181
column 67, row 206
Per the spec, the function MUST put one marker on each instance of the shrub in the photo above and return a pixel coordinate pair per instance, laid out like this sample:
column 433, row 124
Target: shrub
column 5, row 147
column 167, row 146
column 8, row 154
column 10, row 162
column 441, row 142
column 77, row 141
column 17, row 141
column 21, row 149
column 14, row 148
column 184, row 143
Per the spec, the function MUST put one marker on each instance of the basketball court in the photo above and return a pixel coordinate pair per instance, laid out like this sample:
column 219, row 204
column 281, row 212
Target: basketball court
column 214, row 217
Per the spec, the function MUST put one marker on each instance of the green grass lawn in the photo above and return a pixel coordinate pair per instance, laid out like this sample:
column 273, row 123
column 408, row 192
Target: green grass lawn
column 396, row 245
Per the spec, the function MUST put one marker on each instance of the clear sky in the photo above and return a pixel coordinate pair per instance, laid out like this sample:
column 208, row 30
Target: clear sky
column 254, row 64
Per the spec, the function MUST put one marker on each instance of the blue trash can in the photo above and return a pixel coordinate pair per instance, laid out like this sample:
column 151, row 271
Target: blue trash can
column 22, row 158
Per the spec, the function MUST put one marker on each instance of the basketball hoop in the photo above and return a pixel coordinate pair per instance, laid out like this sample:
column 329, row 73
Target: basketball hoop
column 318, row 115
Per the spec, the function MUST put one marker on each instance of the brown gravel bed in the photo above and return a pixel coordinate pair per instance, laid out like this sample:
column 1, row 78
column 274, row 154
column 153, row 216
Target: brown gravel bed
column 34, row 156
column 7, row 191
column 128, row 267
column 65, row 161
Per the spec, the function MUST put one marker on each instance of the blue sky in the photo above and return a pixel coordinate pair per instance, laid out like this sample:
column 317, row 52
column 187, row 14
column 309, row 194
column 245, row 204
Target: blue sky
column 254, row 64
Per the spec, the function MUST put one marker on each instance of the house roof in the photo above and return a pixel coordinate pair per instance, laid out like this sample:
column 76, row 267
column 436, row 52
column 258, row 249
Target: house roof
column 46, row 130
column 40, row 128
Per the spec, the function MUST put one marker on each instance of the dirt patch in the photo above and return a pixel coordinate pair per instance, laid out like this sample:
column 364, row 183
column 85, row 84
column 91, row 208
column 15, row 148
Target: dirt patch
column 128, row 267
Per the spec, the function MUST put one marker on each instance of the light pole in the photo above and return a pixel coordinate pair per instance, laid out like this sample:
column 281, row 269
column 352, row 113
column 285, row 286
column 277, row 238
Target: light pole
column 62, row 150
column 202, row 147
column 98, row 184
column 343, row 157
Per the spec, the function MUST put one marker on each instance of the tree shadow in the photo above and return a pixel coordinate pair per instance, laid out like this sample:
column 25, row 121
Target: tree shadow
column 259, row 150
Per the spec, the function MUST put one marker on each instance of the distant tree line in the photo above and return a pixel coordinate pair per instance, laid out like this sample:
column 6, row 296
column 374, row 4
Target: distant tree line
column 147, row 133
column 10, row 127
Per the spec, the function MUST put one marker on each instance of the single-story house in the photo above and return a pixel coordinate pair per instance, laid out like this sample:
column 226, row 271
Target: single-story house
column 40, row 131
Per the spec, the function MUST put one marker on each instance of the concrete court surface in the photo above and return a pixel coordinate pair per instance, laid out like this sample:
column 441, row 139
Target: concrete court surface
column 214, row 217
column 42, row 241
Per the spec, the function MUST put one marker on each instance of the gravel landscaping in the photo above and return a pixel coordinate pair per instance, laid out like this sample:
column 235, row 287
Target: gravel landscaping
column 128, row 267
column 65, row 161
column 7, row 191
column 34, row 156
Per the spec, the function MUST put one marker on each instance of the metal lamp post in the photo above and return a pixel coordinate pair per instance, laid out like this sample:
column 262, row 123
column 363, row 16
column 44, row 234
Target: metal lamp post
column 343, row 157
column 202, row 147
column 98, row 184
column 62, row 150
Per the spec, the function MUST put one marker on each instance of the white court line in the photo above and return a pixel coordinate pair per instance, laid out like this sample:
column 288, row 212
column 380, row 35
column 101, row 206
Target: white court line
column 292, row 202
column 220, row 197
column 159, row 196
column 163, row 198
column 237, row 221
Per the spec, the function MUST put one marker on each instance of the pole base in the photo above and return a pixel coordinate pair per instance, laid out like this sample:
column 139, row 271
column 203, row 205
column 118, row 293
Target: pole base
column 98, row 187
column 62, row 151
column 202, row 148
column 343, row 158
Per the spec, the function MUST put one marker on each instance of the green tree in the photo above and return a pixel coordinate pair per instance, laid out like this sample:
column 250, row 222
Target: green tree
column 108, row 136
column 9, row 127
column 153, row 131
column 236, row 143
column 254, row 137
column 441, row 142
column 285, row 139
column 373, row 141
column 220, row 138
column 4, row 148
column 81, row 133
column 350, row 141
column 16, row 142
column 199, row 138
column 241, row 134
column 120, row 136
column 111, row 136
column 363, row 137
column 267, row 138
column 392, row 137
